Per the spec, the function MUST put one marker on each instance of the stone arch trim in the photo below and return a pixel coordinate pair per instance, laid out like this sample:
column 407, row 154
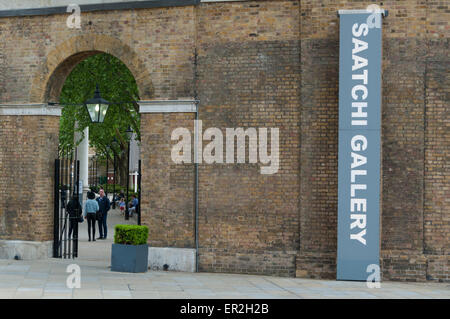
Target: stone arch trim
column 49, row 79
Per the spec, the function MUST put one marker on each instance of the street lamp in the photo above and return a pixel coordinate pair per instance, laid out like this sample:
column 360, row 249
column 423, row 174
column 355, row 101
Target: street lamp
column 129, row 133
column 97, row 178
column 107, row 169
column 114, row 180
column 97, row 107
column 92, row 182
column 96, row 171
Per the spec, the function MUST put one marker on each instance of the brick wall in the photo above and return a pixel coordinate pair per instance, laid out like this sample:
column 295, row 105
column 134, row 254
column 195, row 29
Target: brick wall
column 26, row 184
column 252, row 64
column 415, row 212
column 403, row 144
column 437, row 159
column 318, row 149
column 159, row 42
column 248, row 76
column 167, row 188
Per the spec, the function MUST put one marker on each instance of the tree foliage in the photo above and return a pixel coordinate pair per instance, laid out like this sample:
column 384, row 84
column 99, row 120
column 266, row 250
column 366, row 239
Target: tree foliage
column 118, row 86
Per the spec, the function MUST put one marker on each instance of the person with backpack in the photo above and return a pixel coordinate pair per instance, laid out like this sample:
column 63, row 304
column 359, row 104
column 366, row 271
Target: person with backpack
column 90, row 213
column 75, row 213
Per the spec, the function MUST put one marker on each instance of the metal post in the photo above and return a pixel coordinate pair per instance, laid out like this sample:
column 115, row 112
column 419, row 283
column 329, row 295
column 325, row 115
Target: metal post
column 75, row 230
column 196, row 188
column 107, row 175
column 96, row 172
column 92, row 171
column 138, row 211
column 56, row 211
column 127, row 213
column 71, row 179
column 60, row 209
column 69, row 197
column 64, row 206
column 66, row 213
column 114, row 183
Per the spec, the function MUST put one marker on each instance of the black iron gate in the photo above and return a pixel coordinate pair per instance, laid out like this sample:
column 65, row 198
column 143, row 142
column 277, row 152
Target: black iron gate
column 67, row 212
column 138, row 208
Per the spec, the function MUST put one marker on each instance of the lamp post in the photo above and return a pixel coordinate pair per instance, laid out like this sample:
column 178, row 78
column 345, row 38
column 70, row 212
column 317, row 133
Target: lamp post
column 114, row 180
column 107, row 170
column 97, row 107
column 129, row 132
column 91, row 170
column 96, row 171
column 94, row 180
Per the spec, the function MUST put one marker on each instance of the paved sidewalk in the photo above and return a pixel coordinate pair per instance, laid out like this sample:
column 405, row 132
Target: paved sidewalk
column 47, row 279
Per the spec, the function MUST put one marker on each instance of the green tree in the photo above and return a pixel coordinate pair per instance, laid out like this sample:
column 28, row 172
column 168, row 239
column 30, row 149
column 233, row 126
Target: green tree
column 117, row 85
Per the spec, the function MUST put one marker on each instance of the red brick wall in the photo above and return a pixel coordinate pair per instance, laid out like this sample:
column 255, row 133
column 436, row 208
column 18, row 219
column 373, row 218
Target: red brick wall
column 414, row 232
column 167, row 188
column 248, row 76
column 252, row 64
column 29, row 146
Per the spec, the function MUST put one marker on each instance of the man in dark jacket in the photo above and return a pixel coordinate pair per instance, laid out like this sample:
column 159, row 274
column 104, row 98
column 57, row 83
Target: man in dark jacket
column 105, row 205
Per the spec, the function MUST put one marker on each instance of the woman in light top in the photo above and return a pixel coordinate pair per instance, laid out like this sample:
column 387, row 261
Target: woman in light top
column 89, row 213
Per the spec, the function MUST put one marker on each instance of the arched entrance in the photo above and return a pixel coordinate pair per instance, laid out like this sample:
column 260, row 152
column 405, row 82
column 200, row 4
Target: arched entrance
column 27, row 226
column 71, row 168
column 168, row 196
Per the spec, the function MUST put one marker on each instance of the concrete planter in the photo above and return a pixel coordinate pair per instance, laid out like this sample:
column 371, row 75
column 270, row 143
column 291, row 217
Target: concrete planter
column 129, row 258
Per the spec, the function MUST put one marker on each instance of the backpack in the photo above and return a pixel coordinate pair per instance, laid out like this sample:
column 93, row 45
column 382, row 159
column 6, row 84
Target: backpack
column 74, row 209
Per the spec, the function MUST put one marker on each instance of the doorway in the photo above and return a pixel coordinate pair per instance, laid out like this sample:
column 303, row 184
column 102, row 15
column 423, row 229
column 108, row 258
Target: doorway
column 108, row 144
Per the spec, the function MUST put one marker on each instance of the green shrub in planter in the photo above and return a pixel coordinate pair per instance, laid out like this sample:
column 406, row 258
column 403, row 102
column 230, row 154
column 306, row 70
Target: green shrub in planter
column 129, row 252
column 131, row 235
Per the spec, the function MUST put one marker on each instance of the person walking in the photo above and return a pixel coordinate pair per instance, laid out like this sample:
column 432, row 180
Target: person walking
column 104, row 206
column 90, row 212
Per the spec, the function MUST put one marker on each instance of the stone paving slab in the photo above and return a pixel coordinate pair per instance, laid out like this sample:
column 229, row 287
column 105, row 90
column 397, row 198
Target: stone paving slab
column 47, row 279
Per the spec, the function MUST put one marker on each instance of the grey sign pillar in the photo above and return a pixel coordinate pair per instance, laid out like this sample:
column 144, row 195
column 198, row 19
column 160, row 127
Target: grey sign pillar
column 359, row 170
